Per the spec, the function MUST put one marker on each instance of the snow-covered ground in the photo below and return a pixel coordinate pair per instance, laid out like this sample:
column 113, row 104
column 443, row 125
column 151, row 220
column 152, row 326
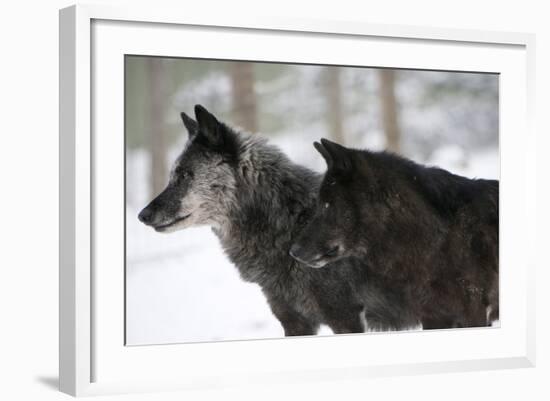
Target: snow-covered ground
column 182, row 288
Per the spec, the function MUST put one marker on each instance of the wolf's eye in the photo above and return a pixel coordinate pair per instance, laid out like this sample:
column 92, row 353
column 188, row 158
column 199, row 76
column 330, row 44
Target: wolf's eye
column 181, row 175
column 326, row 205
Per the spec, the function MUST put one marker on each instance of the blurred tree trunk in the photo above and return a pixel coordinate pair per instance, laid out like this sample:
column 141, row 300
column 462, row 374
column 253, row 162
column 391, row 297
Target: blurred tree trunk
column 389, row 109
column 156, row 140
column 244, row 96
column 334, row 104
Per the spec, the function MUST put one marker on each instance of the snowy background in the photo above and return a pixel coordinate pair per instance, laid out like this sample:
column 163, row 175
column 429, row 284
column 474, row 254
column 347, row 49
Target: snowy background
column 180, row 287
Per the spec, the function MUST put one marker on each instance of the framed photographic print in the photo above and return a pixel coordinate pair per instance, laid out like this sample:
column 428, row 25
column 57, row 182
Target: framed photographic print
column 266, row 201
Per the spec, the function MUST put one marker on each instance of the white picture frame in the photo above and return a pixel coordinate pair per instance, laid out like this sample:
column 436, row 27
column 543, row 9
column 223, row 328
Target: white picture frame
column 93, row 358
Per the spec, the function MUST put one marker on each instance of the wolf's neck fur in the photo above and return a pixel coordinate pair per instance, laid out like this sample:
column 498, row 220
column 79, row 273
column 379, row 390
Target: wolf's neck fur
column 272, row 197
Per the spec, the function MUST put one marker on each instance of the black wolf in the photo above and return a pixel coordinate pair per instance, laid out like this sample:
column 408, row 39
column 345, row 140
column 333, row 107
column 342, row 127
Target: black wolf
column 257, row 201
column 429, row 237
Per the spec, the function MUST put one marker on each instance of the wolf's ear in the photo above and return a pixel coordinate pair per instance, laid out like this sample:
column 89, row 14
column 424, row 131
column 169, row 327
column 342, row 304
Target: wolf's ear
column 209, row 126
column 337, row 156
column 321, row 149
column 190, row 124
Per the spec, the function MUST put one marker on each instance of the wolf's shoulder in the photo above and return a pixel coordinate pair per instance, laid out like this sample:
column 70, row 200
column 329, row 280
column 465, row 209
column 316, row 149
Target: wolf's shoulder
column 445, row 191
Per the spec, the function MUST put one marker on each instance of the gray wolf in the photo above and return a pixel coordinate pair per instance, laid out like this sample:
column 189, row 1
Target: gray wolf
column 428, row 236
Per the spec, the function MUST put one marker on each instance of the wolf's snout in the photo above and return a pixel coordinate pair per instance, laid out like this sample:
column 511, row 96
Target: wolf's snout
column 146, row 216
column 294, row 251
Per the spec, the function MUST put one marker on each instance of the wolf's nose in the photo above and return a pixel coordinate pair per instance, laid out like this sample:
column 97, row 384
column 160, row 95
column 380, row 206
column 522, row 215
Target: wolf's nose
column 146, row 216
column 294, row 250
